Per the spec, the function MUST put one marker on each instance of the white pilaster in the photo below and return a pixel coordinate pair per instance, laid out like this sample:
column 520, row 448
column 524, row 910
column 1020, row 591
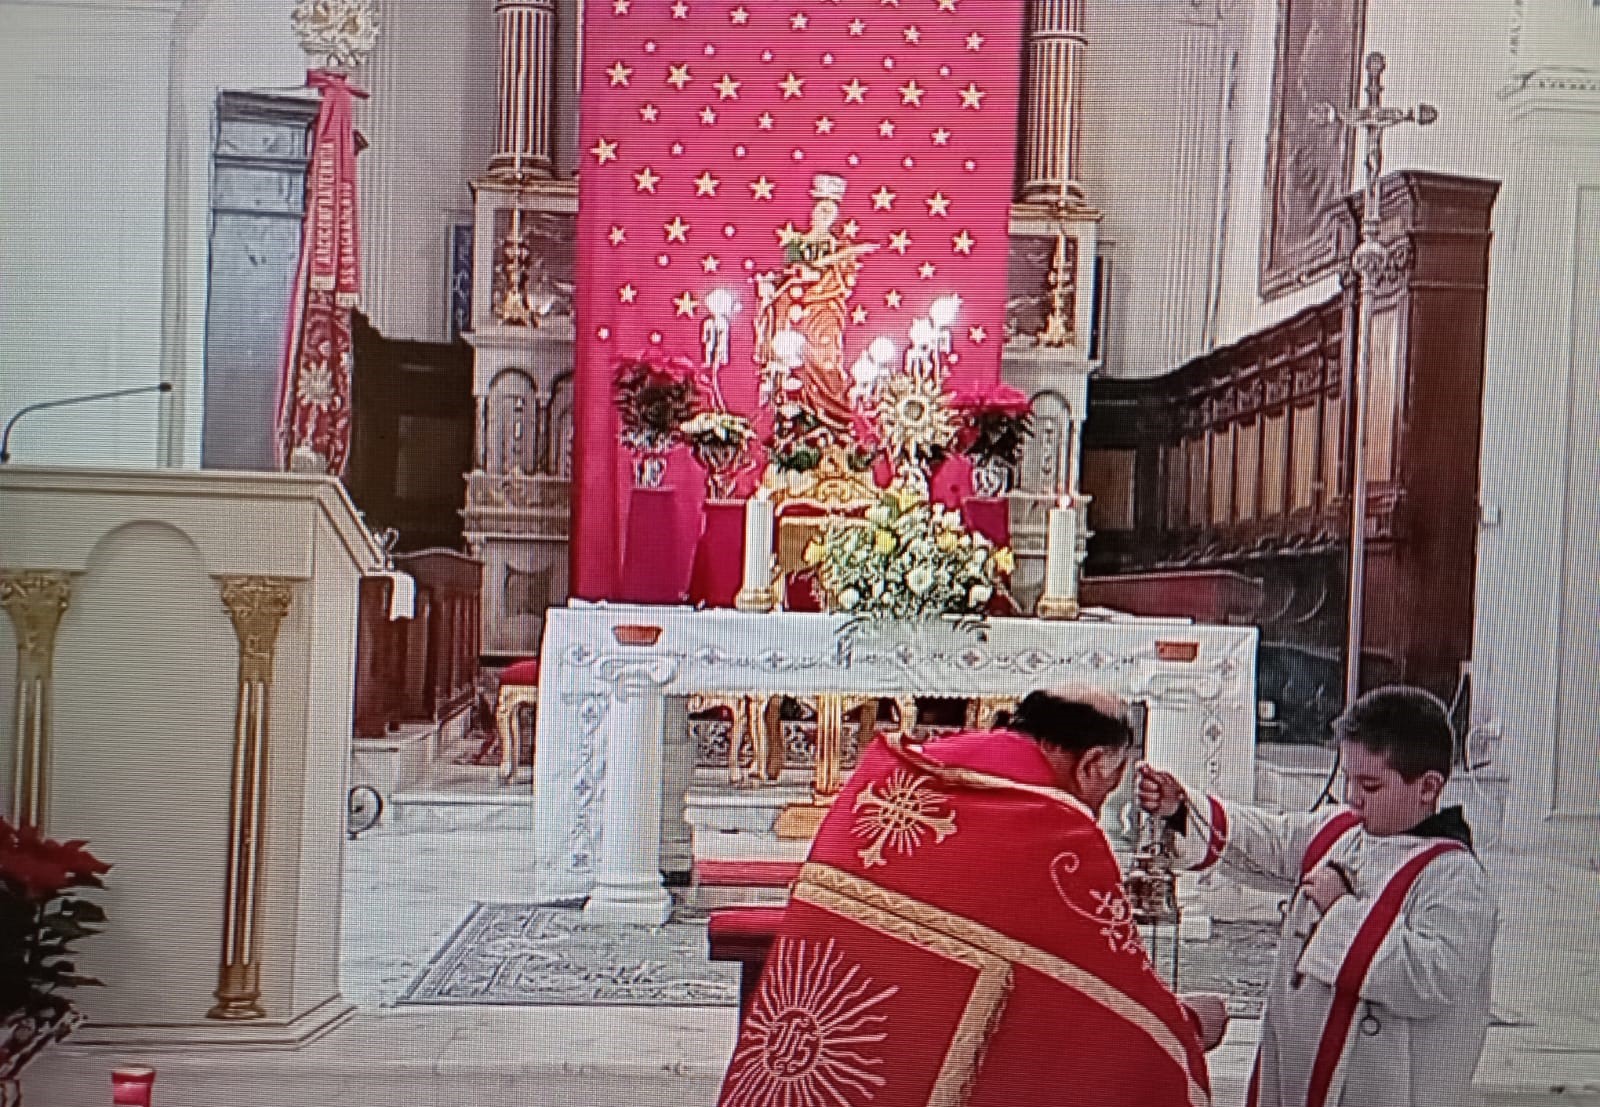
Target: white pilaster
column 1536, row 650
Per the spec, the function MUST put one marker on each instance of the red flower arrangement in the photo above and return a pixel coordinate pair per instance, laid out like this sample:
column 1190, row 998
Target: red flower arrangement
column 995, row 423
column 40, row 919
column 655, row 394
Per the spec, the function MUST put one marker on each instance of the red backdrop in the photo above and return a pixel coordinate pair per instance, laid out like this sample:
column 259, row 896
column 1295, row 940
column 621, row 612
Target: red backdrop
column 703, row 126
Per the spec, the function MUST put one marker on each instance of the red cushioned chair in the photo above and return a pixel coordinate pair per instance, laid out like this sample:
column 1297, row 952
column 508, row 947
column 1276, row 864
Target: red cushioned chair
column 519, row 688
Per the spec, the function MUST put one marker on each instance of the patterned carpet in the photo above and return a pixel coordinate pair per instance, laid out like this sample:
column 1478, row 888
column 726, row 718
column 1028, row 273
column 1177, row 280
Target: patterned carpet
column 515, row 954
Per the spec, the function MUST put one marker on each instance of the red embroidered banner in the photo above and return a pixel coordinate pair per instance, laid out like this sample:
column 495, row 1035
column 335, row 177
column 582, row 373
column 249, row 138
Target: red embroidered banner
column 723, row 139
column 314, row 387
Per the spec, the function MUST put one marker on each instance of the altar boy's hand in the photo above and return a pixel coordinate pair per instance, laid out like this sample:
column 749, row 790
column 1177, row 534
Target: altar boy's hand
column 1159, row 792
column 1323, row 886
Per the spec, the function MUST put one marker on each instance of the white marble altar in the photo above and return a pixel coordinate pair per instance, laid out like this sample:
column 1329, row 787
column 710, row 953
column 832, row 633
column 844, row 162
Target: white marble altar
column 608, row 669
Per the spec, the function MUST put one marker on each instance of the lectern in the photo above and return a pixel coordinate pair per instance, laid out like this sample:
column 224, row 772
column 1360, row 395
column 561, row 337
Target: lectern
column 176, row 681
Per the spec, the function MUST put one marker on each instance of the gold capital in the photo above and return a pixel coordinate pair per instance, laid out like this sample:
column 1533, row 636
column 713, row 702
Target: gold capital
column 35, row 599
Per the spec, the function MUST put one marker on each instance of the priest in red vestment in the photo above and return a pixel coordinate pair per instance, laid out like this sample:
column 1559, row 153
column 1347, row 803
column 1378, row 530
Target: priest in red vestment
column 959, row 935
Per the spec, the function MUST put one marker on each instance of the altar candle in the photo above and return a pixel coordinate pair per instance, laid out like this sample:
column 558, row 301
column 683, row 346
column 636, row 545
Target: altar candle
column 758, row 520
column 1061, row 553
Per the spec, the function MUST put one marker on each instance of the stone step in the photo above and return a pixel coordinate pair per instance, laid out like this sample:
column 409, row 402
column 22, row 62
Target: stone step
column 511, row 808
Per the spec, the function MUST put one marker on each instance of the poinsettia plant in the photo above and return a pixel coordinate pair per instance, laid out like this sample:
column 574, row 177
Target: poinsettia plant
column 40, row 920
column 655, row 393
column 994, row 423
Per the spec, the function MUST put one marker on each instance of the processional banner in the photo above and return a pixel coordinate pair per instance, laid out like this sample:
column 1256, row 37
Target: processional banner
column 858, row 154
column 314, row 386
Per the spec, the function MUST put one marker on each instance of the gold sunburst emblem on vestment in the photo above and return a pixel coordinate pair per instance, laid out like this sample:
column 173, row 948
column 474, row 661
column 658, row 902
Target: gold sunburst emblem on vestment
column 901, row 817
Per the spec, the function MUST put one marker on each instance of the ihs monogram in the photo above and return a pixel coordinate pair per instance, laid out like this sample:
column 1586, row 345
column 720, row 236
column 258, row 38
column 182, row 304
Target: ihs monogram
column 901, row 817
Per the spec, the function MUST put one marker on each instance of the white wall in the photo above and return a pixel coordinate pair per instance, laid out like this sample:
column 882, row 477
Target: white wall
column 1536, row 651
column 106, row 117
column 431, row 124
column 83, row 123
column 1153, row 108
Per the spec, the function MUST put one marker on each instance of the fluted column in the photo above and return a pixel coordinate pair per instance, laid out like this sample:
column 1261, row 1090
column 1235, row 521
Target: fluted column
column 524, row 128
column 1053, row 88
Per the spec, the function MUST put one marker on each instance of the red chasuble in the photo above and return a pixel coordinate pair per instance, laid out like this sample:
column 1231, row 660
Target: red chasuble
column 959, row 935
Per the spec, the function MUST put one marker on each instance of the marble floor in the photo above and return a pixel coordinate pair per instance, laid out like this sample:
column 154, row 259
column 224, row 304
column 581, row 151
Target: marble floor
column 406, row 891
column 407, row 888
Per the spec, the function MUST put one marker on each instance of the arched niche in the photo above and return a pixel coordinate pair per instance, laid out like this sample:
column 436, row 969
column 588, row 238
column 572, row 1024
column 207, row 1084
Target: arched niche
column 1045, row 461
column 511, row 423
column 558, row 459
column 146, row 617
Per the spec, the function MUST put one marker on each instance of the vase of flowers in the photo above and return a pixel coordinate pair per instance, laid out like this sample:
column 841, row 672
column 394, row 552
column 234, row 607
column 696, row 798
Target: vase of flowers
column 655, row 395
column 907, row 558
column 40, row 919
column 721, row 443
column 993, row 426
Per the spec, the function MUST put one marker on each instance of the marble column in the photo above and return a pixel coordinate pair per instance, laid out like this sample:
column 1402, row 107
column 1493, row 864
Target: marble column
column 1053, row 89
column 628, row 887
column 526, row 97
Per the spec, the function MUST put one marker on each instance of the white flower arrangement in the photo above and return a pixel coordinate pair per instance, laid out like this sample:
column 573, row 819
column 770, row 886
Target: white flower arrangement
column 907, row 559
column 721, row 427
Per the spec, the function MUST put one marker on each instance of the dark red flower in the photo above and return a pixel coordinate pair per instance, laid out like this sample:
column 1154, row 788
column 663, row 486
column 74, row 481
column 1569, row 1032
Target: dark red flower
column 43, row 868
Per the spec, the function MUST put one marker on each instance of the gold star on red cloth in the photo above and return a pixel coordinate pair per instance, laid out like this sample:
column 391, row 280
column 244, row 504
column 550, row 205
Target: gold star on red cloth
column 706, row 124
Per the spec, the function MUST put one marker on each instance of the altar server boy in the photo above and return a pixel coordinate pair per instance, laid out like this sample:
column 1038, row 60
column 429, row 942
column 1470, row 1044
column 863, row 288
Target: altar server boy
column 1380, row 995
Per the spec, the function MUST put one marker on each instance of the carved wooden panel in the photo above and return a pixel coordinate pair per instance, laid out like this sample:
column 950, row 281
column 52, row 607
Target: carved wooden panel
column 1236, row 436
column 1274, row 464
column 1303, row 476
column 1383, row 395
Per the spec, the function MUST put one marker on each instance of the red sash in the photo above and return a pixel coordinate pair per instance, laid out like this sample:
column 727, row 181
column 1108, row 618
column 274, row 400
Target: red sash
column 1353, row 973
column 1217, row 840
column 1326, row 837
column 959, row 938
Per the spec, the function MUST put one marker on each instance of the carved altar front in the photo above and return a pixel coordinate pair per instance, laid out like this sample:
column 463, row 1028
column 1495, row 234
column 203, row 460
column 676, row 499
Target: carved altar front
column 609, row 670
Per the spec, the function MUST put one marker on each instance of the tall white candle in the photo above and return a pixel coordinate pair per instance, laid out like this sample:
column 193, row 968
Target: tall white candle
column 758, row 521
column 1061, row 554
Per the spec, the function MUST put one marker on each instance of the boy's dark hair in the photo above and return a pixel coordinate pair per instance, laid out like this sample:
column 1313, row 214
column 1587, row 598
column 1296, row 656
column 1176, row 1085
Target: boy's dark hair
column 1408, row 726
column 1070, row 722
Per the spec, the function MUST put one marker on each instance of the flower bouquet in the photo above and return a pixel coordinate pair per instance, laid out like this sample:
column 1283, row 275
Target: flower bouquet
column 907, row 559
column 994, row 425
column 655, row 395
column 721, row 444
column 39, row 921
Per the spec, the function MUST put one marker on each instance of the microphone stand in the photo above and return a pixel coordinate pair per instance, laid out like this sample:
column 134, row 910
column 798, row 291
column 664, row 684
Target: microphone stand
column 5, row 437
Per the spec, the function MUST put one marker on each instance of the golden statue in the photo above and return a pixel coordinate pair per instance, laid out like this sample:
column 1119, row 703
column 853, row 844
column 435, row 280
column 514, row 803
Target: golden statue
column 811, row 297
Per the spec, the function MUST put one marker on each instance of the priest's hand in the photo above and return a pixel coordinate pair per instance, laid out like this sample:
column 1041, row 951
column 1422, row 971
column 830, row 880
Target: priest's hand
column 1209, row 1012
column 1159, row 792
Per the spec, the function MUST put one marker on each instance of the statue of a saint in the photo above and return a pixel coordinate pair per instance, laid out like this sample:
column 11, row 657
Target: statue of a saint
column 811, row 296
